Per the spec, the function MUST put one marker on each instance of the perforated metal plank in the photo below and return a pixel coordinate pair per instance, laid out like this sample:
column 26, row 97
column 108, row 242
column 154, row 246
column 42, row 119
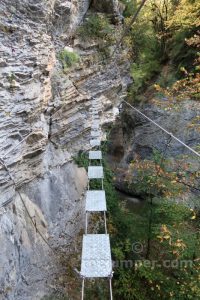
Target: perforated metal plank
column 95, row 117
column 94, row 120
column 94, row 111
column 95, row 142
column 95, row 155
column 95, row 127
column 95, row 201
column 97, row 107
column 95, row 123
column 95, row 133
column 96, row 256
column 95, row 102
column 95, row 172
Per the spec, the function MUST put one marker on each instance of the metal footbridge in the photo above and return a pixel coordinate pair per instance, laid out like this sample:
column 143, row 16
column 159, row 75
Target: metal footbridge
column 96, row 259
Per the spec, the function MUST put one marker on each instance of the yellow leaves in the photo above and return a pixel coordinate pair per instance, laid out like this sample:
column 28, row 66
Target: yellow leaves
column 157, row 87
column 166, row 237
column 173, row 181
column 164, row 228
column 158, row 287
column 168, row 194
column 165, row 234
column 150, row 175
column 183, row 88
column 185, row 15
column 179, row 244
column 178, row 247
column 194, row 214
column 182, row 69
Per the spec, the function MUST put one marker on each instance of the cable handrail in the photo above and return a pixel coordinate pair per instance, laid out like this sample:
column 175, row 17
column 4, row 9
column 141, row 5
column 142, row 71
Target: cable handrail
column 14, row 147
column 163, row 129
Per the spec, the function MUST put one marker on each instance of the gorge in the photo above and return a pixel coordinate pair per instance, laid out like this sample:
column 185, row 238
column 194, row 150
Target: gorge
column 55, row 57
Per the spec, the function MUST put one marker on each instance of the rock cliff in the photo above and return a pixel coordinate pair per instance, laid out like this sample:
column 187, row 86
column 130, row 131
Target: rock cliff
column 134, row 136
column 44, row 122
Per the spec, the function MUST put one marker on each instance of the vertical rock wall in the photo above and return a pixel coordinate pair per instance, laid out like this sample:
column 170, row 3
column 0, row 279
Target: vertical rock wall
column 44, row 122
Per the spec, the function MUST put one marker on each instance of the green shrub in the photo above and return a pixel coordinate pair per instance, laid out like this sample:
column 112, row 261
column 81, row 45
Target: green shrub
column 181, row 54
column 130, row 8
column 142, row 74
column 167, row 80
column 97, row 27
column 147, row 57
column 82, row 159
column 68, row 59
column 11, row 77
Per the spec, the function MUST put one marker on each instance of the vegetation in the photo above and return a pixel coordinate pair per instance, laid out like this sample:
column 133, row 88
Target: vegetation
column 155, row 251
column 169, row 256
column 98, row 28
column 68, row 59
column 169, row 35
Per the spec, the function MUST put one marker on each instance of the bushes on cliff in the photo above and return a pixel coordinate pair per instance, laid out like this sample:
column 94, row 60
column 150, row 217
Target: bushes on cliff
column 68, row 59
column 97, row 26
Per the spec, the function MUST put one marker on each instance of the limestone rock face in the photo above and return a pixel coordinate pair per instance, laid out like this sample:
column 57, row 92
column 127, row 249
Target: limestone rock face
column 133, row 136
column 44, row 121
column 146, row 135
column 54, row 203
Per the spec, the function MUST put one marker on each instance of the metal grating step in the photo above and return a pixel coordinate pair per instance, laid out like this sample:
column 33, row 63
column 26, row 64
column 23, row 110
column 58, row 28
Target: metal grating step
column 95, row 201
column 96, row 256
column 95, row 172
column 95, row 133
column 95, row 155
column 95, row 142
